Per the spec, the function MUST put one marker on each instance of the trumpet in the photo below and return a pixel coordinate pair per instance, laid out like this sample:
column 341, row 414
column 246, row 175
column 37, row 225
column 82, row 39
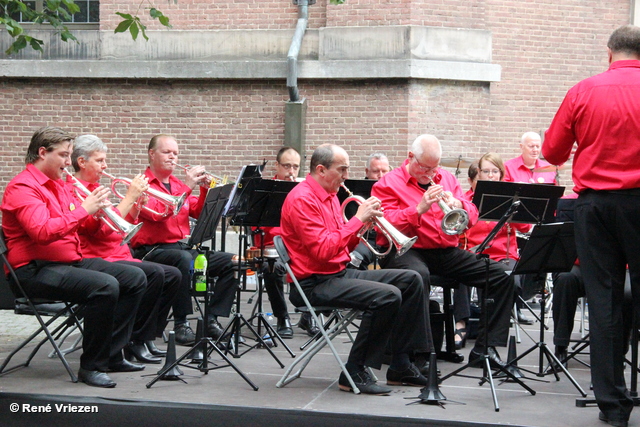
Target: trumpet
column 215, row 179
column 109, row 215
column 171, row 203
column 395, row 237
column 455, row 221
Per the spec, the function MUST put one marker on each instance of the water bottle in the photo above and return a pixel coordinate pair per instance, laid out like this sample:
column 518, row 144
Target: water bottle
column 270, row 318
column 200, row 269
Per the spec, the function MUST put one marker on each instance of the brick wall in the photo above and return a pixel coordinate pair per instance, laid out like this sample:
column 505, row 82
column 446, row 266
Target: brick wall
column 543, row 46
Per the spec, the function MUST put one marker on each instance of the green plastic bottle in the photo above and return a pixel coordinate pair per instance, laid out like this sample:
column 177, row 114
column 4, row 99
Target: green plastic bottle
column 199, row 272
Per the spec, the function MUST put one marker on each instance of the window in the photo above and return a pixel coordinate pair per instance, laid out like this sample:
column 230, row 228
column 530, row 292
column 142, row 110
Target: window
column 89, row 11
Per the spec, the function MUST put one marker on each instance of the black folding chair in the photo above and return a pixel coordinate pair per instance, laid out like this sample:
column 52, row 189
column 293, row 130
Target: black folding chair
column 70, row 311
column 326, row 335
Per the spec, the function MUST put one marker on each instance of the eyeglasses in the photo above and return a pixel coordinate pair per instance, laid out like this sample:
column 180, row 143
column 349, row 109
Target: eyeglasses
column 425, row 168
column 490, row 171
column 289, row 166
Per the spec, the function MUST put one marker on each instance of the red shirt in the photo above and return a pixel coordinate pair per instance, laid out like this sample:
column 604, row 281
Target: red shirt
column 601, row 114
column 171, row 228
column 40, row 219
column 497, row 248
column 318, row 240
column 98, row 240
column 516, row 171
column 400, row 194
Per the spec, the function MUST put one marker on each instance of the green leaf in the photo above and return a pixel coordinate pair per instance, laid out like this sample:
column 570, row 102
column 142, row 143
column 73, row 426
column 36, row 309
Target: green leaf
column 133, row 29
column 36, row 44
column 164, row 20
column 71, row 6
column 155, row 13
column 123, row 26
column 125, row 16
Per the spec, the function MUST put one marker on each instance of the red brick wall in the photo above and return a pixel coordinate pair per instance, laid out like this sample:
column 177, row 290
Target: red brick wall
column 543, row 46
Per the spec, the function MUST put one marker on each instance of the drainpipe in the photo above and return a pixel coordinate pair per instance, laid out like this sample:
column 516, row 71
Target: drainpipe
column 296, row 108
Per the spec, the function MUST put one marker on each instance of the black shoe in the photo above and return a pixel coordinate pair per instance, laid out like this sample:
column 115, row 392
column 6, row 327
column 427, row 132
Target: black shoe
column 125, row 366
column 364, row 382
column 284, row 328
column 308, row 323
column 561, row 353
column 522, row 319
column 214, row 328
column 95, row 378
column 616, row 423
column 140, row 352
column 410, row 376
column 462, row 333
column 151, row 346
column 495, row 362
column 184, row 334
column 423, row 366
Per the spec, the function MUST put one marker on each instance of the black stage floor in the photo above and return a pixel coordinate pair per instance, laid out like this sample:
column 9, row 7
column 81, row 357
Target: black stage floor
column 223, row 398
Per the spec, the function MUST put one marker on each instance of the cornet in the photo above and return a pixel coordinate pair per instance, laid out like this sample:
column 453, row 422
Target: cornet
column 455, row 221
column 110, row 216
column 171, row 203
column 399, row 240
column 218, row 180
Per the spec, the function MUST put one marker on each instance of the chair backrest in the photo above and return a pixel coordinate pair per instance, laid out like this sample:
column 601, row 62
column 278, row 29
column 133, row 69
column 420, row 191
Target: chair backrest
column 12, row 279
column 281, row 249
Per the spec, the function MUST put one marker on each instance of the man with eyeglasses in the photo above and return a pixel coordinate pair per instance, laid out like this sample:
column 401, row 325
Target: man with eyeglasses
column 287, row 167
column 409, row 196
column 522, row 168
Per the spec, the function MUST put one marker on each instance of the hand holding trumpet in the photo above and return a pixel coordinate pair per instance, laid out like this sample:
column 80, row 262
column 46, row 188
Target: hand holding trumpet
column 197, row 175
column 96, row 200
column 369, row 209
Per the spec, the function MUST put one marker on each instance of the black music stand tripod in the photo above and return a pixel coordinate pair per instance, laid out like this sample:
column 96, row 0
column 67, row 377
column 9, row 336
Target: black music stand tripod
column 245, row 197
column 550, row 249
column 483, row 361
column 207, row 223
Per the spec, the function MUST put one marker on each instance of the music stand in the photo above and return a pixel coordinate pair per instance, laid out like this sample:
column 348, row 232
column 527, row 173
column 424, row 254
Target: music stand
column 240, row 205
column 507, row 202
column 207, row 223
column 550, row 249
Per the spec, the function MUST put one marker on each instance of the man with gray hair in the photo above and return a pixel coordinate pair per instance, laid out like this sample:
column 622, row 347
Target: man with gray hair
column 377, row 166
column 602, row 115
column 409, row 196
column 522, row 168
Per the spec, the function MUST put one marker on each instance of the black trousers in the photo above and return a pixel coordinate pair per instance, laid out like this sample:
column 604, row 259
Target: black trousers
column 568, row 287
column 464, row 267
column 393, row 304
column 111, row 293
column 220, row 265
column 274, row 285
column 607, row 239
column 163, row 283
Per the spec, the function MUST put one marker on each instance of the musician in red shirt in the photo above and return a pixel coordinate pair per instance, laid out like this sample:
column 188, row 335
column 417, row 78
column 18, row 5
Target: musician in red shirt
column 89, row 160
column 40, row 220
column 287, row 166
column 392, row 301
column 409, row 196
column 522, row 168
column 161, row 239
column 602, row 115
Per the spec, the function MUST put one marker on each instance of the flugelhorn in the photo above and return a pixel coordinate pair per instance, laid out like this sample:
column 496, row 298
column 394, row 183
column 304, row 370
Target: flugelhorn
column 395, row 237
column 455, row 221
column 109, row 215
column 218, row 180
column 171, row 203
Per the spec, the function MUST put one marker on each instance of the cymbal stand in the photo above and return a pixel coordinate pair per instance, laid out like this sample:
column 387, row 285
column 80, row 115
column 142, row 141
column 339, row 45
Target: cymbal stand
column 232, row 333
column 260, row 315
column 208, row 346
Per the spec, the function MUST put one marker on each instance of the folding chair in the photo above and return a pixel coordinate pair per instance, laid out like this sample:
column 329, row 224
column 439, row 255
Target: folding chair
column 51, row 335
column 343, row 322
